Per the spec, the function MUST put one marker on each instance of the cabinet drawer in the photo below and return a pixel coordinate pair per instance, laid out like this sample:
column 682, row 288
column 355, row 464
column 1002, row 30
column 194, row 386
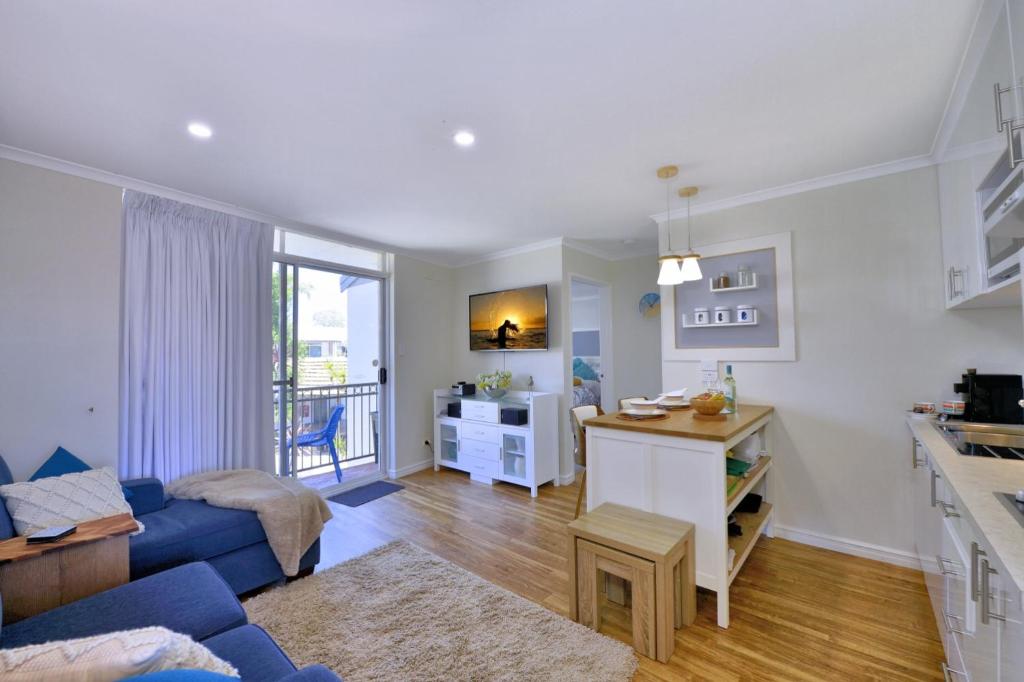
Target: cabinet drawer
column 480, row 411
column 483, row 468
column 479, row 449
column 481, row 432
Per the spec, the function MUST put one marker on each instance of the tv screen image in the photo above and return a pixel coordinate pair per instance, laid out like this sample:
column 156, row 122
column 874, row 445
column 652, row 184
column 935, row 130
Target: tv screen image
column 514, row 319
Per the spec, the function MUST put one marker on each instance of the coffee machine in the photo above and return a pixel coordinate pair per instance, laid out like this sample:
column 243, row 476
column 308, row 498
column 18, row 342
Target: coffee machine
column 991, row 398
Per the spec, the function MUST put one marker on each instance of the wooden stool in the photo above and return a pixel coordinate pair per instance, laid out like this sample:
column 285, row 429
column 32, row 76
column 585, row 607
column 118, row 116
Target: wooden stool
column 654, row 553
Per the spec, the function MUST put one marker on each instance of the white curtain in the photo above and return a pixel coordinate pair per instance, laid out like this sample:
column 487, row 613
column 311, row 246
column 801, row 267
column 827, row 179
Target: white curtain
column 196, row 340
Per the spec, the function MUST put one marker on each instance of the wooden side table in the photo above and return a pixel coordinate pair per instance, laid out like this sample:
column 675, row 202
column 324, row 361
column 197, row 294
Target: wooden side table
column 37, row 578
column 655, row 553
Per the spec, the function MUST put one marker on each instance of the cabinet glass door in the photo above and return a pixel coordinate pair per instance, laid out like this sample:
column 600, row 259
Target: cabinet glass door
column 449, row 442
column 513, row 455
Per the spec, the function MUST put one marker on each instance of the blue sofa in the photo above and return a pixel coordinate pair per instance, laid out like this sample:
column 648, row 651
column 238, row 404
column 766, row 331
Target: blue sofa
column 192, row 599
column 182, row 531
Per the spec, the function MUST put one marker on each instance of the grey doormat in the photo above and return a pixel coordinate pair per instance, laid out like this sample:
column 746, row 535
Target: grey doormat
column 402, row 614
column 366, row 493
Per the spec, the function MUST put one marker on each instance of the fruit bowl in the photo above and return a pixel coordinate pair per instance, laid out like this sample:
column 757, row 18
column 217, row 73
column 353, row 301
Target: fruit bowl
column 708, row 404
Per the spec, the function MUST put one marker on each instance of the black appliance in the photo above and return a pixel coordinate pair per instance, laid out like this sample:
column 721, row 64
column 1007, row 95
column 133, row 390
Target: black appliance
column 455, row 410
column 462, row 388
column 514, row 416
column 991, row 398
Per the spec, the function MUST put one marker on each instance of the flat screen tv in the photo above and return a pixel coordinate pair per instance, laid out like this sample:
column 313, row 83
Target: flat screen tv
column 513, row 319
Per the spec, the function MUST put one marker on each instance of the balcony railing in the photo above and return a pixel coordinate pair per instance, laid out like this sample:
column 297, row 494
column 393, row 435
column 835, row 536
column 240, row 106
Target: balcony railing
column 356, row 438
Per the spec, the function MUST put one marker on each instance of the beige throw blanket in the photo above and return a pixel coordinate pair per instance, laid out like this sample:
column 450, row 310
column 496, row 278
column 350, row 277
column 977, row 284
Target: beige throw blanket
column 292, row 515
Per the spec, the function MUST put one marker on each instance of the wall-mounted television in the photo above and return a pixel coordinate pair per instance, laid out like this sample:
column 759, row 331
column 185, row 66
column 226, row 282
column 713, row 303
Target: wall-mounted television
column 513, row 319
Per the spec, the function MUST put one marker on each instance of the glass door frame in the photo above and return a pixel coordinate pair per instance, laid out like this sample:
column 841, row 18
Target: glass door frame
column 289, row 384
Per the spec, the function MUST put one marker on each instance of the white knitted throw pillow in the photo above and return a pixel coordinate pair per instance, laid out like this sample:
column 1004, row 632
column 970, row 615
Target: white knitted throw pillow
column 64, row 500
column 109, row 657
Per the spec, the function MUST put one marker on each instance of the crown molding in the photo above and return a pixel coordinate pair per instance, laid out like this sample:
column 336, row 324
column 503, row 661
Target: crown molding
column 855, row 175
column 981, row 33
column 514, row 251
column 125, row 182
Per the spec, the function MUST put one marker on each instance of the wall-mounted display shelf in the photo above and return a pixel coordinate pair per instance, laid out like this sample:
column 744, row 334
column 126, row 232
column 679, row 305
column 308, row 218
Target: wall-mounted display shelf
column 722, row 290
column 691, row 325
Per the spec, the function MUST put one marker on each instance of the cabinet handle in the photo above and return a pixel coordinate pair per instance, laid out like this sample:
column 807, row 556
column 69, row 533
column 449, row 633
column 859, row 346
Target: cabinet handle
column 947, row 671
column 948, row 510
column 935, row 477
column 947, row 617
column 943, row 562
column 986, row 594
column 976, row 553
column 914, row 461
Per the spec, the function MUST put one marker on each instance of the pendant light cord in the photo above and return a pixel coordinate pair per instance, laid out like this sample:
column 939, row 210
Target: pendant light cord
column 668, row 213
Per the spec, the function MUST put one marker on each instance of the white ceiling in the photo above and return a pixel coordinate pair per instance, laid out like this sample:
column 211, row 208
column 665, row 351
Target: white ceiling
column 340, row 114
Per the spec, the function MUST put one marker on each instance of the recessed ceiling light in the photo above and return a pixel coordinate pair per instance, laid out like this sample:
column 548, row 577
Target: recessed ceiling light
column 200, row 130
column 464, row 138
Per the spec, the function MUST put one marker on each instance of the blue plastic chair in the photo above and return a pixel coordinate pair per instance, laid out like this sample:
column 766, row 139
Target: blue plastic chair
column 324, row 438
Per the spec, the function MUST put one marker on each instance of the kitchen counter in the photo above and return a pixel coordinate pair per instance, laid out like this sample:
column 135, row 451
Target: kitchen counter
column 975, row 479
column 681, row 424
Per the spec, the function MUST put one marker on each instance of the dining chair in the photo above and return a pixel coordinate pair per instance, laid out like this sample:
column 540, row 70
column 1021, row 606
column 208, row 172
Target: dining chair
column 579, row 415
column 624, row 403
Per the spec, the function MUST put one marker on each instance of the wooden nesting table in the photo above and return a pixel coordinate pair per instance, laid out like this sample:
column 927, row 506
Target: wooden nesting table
column 37, row 578
column 654, row 553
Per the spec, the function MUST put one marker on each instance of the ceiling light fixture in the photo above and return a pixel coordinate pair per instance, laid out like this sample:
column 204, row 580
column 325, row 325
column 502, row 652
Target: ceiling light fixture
column 690, row 268
column 669, row 270
column 464, row 138
column 200, row 130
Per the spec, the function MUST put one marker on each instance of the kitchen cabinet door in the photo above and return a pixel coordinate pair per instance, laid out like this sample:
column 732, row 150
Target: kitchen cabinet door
column 1011, row 632
column 961, row 262
column 977, row 121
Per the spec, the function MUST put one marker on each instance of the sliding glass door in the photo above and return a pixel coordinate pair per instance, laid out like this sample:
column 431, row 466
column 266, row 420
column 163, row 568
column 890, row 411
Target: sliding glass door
column 328, row 374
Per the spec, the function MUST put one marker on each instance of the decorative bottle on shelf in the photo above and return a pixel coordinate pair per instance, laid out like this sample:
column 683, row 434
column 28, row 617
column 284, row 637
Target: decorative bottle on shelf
column 729, row 389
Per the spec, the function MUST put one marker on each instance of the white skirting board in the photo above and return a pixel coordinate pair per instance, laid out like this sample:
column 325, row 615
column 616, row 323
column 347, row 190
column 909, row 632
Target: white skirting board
column 846, row 546
column 411, row 468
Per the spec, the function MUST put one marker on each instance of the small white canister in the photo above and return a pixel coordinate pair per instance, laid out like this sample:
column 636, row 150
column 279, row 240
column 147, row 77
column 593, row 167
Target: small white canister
column 701, row 316
column 746, row 313
column 723, row 315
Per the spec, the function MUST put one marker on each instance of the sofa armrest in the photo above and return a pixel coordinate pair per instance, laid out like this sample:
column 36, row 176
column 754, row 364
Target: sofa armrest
column 312, row 673
column 191, row 599
column 147, row 495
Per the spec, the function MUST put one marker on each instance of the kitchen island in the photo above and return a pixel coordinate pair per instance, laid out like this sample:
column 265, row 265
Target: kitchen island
column 676, row 467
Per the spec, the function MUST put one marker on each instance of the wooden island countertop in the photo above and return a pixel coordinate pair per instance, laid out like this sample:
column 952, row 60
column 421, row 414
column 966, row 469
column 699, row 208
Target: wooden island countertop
column 681, row 424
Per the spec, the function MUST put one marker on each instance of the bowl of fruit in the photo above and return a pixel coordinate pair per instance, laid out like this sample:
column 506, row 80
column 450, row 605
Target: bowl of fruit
column 708, row 403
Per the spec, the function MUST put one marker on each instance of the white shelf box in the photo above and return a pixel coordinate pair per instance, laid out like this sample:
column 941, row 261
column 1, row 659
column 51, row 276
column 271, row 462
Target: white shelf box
column 724, row 290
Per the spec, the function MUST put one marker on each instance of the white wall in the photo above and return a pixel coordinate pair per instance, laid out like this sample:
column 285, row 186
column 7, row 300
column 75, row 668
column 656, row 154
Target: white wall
column 637, row 339
column 424, row 334
column 60, row 265
column 872, row 337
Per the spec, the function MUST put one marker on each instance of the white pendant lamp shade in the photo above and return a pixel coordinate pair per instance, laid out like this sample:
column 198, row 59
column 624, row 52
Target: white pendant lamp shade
column 670, row 273
column 689, row 271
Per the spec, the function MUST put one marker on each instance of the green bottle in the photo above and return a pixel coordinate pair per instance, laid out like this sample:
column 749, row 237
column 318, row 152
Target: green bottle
column 729, row 391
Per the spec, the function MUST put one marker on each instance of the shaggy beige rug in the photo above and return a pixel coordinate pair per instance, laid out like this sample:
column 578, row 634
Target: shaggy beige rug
column 401, row 613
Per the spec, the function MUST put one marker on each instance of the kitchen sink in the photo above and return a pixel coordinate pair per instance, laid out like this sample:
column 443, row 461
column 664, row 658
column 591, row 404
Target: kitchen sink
column 1001, row 441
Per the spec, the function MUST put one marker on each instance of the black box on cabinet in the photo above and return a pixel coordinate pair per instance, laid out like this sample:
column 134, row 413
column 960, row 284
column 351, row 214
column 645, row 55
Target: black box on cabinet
column 514, row 416
column 455, row 410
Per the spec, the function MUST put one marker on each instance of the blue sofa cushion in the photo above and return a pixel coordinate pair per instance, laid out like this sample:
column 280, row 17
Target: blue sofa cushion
column 190, row 530
column 253, row 652
column 192, row 599
column 64, row 462
column 181, row 676
column 311, row 673
column 6, row 524
column 147, row 495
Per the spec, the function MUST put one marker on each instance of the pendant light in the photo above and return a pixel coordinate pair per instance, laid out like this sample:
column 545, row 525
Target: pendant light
column 690, row 268
column 669, row 272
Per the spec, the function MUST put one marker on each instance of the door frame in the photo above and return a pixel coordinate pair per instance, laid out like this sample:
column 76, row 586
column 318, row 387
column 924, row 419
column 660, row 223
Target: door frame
column 385, row 454
column 609, row 403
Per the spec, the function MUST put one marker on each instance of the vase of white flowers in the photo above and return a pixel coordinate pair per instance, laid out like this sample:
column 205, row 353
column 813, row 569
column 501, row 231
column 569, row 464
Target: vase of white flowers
column 494, row 385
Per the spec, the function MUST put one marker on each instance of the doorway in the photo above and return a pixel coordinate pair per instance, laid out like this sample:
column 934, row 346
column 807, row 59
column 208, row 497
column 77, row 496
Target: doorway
column 591, row 347
column 328, row 345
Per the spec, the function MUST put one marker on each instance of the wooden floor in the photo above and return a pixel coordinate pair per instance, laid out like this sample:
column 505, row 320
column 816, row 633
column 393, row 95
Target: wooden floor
column 798, row 612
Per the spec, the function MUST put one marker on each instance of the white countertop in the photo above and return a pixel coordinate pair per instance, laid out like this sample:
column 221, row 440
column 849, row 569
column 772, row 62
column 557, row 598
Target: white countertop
column 975, row 479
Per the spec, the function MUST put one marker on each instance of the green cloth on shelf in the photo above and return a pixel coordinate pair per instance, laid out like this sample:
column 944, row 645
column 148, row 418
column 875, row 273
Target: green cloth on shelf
column 736, row 467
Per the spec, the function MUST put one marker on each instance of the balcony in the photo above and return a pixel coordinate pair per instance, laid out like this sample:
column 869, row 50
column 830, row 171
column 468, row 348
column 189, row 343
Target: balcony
column 355, row 437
